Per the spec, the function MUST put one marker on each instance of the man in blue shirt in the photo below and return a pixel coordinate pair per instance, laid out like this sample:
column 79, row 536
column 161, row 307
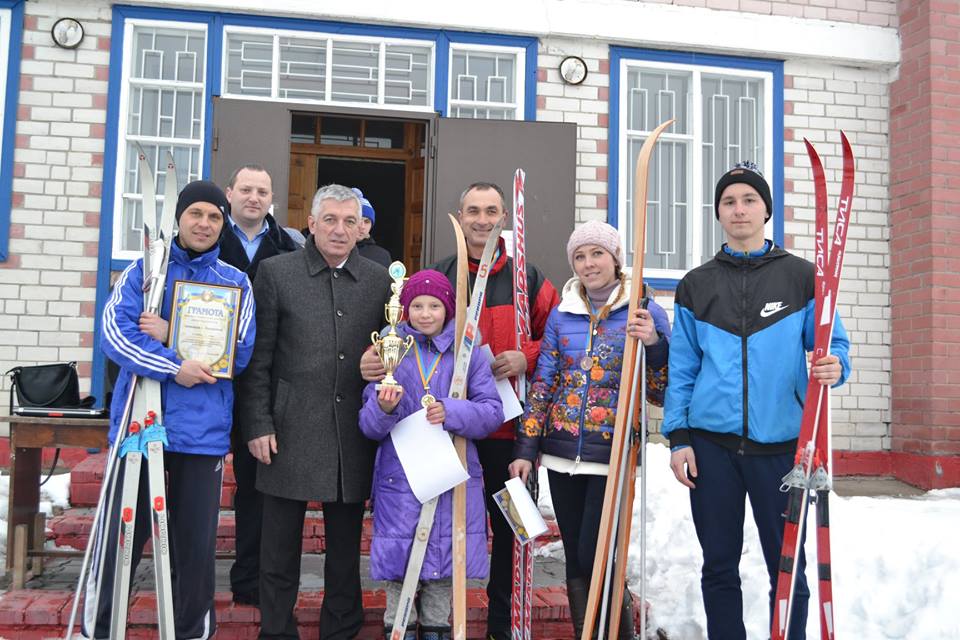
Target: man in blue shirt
column 251, row 234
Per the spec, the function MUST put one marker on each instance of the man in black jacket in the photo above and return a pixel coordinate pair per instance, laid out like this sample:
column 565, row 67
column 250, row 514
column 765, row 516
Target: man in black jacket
column 250, row 235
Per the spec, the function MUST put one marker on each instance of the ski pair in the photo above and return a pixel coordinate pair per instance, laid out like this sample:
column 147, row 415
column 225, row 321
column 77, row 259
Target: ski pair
column 521, row 601
column 810, row 480
column 467, row 334
column 143, row 435
column 607, row 582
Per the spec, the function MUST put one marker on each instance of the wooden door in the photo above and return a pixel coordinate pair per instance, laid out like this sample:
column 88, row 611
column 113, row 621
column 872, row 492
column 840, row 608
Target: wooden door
column 414, row 199
column 303, row 184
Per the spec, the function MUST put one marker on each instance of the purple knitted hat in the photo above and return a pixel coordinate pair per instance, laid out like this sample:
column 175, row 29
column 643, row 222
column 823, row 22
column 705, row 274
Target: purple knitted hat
column 429, row 283
column 598, row 233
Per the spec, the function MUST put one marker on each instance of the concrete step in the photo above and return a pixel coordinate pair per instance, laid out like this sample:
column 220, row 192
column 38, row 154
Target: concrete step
column 72, row 529
column 36, row 614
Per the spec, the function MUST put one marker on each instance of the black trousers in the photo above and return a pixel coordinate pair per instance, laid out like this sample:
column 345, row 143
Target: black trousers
column 193, row 507
column 495, row 456
column 341, row 615
column 578, row 503
column 248, row 507
column 724, row 481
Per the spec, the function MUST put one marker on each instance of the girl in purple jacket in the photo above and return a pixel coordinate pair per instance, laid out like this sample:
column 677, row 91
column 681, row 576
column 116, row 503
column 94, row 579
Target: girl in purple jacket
column 424, row 375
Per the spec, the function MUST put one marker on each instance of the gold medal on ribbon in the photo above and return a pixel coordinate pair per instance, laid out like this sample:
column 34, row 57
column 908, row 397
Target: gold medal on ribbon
column 428, row 398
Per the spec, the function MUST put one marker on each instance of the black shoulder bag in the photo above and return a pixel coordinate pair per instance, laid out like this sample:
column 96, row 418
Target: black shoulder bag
column 47, row 385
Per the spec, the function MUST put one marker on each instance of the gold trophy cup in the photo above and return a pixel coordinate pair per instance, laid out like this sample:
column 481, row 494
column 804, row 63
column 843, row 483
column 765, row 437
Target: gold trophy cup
column 391, row 348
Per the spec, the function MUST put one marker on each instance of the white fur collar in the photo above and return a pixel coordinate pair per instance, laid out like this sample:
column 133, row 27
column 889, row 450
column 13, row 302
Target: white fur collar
column 571, row 302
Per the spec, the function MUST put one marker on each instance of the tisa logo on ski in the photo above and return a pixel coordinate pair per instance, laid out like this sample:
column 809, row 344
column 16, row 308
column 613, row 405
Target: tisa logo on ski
column 771, row 308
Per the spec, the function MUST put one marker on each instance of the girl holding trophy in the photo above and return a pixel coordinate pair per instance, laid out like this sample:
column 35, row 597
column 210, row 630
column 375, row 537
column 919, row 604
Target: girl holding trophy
column 423, row 382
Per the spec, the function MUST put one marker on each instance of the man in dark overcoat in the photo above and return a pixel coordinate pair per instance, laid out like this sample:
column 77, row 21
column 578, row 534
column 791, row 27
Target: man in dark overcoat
column 300, row 398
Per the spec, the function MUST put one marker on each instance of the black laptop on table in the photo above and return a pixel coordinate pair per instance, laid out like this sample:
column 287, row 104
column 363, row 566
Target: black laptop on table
column 57, row 412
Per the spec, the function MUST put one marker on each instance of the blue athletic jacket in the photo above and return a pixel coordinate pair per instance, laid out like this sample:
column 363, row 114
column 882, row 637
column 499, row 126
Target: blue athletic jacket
column 197, row 419
column 738, row 366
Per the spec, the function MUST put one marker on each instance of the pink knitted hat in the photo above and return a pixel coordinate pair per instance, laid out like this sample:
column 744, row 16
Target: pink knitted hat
column 429, row 283
column 598, row 233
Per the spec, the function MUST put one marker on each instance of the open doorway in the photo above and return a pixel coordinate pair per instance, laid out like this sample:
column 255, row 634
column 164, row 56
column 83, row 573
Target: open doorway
column 383, row 158
column 382, row 183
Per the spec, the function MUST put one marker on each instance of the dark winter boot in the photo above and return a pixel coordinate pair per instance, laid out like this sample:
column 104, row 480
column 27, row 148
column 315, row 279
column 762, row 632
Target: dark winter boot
column 411, row 633
column 434, row 633
column 628, row 629
column 577, row 591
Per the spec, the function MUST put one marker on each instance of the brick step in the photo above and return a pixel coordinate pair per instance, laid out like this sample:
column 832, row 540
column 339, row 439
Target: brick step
column 38, row 614
column 72, row 529
column 86, row 476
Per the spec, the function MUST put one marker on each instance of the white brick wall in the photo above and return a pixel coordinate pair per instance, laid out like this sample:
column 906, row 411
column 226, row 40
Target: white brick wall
column 880, row 13
column 822, row 100
column 47, row 287
column 587, row 105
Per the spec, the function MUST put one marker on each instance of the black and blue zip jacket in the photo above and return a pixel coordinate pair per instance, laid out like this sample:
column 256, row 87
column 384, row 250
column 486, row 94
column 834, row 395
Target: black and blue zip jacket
column 742, row 327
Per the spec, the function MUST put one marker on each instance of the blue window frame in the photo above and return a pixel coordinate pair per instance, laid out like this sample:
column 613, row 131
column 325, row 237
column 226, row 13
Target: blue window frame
column 11, row 40
column 214, row 25
column 727, row 109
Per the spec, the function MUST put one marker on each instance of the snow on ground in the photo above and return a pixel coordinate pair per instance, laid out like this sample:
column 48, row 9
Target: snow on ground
column 896, row 564
column 56, row 492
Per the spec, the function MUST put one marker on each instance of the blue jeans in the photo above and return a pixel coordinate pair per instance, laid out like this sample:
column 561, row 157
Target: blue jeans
column 723, row 482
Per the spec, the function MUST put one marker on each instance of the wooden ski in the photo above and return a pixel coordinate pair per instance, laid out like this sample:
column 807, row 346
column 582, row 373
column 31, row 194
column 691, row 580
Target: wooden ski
column 613, row 494
column 468, row 337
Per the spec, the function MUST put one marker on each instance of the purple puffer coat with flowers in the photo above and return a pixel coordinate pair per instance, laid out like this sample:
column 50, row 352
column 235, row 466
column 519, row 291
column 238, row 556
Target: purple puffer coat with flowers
column 396, row 510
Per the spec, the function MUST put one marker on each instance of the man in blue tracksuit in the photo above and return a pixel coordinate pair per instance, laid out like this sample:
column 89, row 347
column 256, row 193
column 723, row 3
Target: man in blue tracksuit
column 743, row 323
column 197, row 413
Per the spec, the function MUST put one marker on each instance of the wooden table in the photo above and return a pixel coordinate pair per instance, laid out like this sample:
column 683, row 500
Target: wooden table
column 28, row 437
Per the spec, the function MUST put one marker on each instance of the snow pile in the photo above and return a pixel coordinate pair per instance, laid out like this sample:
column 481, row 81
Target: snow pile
column 896, row 564
column 56, row 492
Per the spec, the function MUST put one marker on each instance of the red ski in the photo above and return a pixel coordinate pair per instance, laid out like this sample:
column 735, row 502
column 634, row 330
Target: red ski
column 810, row 480
column 521, row 602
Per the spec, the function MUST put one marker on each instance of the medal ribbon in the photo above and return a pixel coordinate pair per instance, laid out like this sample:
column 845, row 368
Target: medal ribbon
column 594, row 323
column 425, row 379
column 596, row 316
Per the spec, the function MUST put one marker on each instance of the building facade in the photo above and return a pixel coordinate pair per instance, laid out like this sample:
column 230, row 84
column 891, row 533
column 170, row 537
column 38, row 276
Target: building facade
column 371, row 93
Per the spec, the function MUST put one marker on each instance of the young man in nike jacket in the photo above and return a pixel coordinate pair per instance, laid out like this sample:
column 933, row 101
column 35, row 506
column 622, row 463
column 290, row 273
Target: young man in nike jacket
column 743, row 324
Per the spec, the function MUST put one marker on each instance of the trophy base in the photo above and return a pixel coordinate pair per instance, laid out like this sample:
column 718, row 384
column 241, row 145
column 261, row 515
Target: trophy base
column 388, row 385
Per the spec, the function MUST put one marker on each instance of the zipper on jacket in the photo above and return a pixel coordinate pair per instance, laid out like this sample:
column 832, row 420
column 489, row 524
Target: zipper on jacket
column 583, row 400
column 743, row 354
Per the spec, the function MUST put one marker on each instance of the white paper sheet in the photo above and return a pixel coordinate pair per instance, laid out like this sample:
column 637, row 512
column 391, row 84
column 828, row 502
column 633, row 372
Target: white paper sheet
column 520, row 510
column 511, row 404
column 427, row 455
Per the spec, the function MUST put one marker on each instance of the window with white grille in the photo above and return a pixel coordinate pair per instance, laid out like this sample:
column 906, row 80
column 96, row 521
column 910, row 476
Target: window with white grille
column 486, row 82
column 723, row 115
column 328, row 68
column 162, row 101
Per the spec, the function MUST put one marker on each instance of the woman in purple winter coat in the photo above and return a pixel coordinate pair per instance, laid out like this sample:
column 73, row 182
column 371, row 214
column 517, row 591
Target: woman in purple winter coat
column 424, row 375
